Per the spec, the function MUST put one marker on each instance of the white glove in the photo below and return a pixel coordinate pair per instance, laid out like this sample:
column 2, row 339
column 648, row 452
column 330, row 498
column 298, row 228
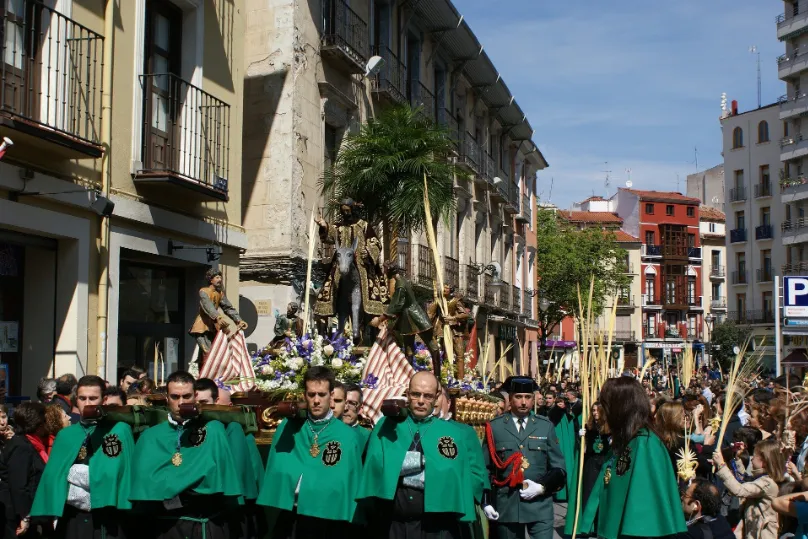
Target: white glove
column 582, row 433
column 532, row 491
column 490, row 513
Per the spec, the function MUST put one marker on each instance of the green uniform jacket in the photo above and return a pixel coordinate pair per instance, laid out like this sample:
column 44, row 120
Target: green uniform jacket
column 364, row 435
column 328, row 482
column 569, row 442
column 207, row 464
column 643, row 501
column 110, row 468
column 539, row 444
column 453, row 471
column 256, row 461
column 410, row 317
column 241, row 458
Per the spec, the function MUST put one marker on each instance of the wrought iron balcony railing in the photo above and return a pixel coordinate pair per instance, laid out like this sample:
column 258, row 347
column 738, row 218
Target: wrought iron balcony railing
column 718, row 271
column 452, row 269
column 763, row 189
column 449, row 122
column 391, row 81
column 737, row 235
column 421, row 97
column 739, row 277
column 426, row 266
column 470, row 153
column 764, row 232
column 737, row 194
column 718, row 303
column 472, row 283
column 764, row 275
column 345, row 34
column 51, row 73
column 186, row 135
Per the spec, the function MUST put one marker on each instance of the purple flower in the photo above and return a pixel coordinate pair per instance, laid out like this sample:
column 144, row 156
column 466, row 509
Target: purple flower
column 370, row 381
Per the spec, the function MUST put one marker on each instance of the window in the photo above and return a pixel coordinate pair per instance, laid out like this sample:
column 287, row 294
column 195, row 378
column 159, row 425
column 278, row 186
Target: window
column 669, row 209
column 712, row 227
column 785, row 128
column 741, row 262
column 764, row 174
column 738, row 178
column 763, row 132
column 716, row 291
column 768, row 304
column 691, row 240
column 691, row 211
column 766, row 263
column 649, row 209
column 765, row 216
column 691, row 290
column 650, row 289
column 737, row 138
column 740, row 220
column 650, row 325
column 740, row 306
column 715, row 258
column 331, row 137
column 649, row 238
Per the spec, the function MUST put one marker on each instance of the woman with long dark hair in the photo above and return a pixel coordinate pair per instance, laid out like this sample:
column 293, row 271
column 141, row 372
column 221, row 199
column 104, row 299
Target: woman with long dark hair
column 636, row 492
column 21, row 465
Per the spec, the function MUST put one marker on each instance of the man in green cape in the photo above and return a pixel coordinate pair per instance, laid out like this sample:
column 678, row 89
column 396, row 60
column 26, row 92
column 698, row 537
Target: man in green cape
column 524, row 457
column 313, row 468
column 86, row 482
column 353, row 405
column 422, row 476
column 184, row 472
column 567, row 423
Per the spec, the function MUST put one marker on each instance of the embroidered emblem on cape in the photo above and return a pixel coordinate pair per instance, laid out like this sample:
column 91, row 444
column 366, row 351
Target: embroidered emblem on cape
column 332, row 453
column 447, row 447
column 624, row 462
column 197, row 437
column 112, row 446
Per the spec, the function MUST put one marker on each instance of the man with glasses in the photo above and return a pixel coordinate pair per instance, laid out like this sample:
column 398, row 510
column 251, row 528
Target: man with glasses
column 422, row 476
column 353, row 405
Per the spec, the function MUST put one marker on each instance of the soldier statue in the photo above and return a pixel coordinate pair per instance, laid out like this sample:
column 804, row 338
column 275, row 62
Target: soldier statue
column 287, row 326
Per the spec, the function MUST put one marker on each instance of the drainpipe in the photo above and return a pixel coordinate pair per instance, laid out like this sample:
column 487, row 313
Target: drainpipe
column 106, row 139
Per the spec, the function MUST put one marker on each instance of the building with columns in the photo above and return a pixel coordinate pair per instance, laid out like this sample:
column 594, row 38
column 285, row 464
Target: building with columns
column 306, row 87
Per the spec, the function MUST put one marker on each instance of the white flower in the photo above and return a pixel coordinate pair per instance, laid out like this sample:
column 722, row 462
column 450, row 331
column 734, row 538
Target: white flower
column 267, row 370
column 328, row 350
column 298, row 363
column 336, row 363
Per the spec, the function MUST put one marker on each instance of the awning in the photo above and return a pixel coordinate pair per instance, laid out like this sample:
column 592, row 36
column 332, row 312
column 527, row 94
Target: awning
column 798, row 356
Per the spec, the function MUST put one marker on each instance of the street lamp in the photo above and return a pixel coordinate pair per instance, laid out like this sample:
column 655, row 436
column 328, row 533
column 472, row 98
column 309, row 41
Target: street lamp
column 710, row 319
column 544, row 304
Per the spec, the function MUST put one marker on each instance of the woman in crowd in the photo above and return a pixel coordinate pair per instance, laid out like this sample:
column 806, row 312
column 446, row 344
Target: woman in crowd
column 6, row 430
column 597, row 447
column 21, row 464
column 767, row 469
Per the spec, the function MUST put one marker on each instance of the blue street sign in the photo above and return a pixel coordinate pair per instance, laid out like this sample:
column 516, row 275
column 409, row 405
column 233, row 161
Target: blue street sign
column 796, row 321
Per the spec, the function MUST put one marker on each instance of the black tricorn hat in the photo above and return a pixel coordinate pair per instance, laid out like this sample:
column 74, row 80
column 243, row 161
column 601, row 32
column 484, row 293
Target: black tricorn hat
column 519, row 384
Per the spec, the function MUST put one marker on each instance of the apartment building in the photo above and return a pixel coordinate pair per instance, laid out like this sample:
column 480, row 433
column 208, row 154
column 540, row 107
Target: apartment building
column 712, row 230
column 708, row 186
column 667, row 223
column 627, row 333
column 306, row 87
column 88, row 287
column 754, row 144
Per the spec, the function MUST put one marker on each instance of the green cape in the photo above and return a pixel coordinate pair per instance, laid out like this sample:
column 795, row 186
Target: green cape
column 241, row 458
column 328, row 481
column 207, row 462
column 567, row 438
column 454, row 473
column 256, row 461
column 110, row 468
column 643, row 502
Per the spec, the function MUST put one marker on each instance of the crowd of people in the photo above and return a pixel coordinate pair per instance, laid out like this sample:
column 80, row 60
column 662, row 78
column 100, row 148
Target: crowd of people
column 64, row 472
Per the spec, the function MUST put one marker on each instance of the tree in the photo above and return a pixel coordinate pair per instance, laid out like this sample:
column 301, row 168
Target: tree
column 568, row 258
column 724, row 338
column 383, row 166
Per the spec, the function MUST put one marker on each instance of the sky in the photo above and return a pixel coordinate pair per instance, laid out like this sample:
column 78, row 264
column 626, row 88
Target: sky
column 627, row 84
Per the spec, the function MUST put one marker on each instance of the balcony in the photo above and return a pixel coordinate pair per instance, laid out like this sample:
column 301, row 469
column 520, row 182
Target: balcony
column 516, row 299
column 763, row 275
column 649, row 250
column 764, row 232
column 472, row 284
column 345, row 36
column 794, row 231
column 623, row 336
column 527, row 303
column 739, row 277
column 488, row 169
column 763, row 189
column 796, row 268
column 390, row 84
column 793, row 106
column 469, row 154
column 625, row 303
column 426, row 267
column 718, row 272
column 505, row 296
column 628, row 268
column 651, row 302
column 737, row 194
column 421, row 97
column 186, row 139
column 447, row 121
column 793, row 147
column 490, row 292
column 738, row 317
column 718, row 303
column 525, row 209
column 793, row 189
column 404, row 256
column 759, row 316
column 694, row 253
column 695, row 303
column 50, row 97
column 693, row 334
column 789, row 65
column 794, row 21
column 737, row 235
column 452, row 269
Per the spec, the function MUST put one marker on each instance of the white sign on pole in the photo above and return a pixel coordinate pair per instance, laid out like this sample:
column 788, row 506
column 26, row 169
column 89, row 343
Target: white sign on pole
column 795, row 296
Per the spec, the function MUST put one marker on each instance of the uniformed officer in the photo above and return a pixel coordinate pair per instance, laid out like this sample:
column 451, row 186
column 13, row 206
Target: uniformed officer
column 523, row 455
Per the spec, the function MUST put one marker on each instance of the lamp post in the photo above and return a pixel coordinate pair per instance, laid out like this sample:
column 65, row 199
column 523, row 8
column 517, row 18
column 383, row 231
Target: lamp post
column 710, row 319
column 544, row 304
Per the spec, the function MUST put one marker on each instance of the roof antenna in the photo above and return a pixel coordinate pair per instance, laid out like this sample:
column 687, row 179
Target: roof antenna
column 550, row 196
column 608, row 182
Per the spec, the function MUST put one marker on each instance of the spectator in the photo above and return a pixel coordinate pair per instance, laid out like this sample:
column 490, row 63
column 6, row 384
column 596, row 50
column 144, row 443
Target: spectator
column 130, row 376
column 65, row 386
column 55, row 420
column 113, row 396
column 21, row 464
column 46, row 389
column 224, row 397
column 206, row 390
column 701, row 503
column 6, row 431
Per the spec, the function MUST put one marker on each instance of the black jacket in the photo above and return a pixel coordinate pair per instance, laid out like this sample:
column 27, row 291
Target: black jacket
column 21, row 469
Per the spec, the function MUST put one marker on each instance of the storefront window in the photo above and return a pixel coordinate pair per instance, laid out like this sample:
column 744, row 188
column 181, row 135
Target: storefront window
column 11, row 316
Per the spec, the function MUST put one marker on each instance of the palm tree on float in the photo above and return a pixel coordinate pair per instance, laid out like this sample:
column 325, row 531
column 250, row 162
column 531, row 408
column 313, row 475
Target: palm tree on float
column 383, row 166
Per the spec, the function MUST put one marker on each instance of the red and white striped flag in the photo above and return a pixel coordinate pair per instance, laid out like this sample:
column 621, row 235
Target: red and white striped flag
column 388, row 364
column 229, row 360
